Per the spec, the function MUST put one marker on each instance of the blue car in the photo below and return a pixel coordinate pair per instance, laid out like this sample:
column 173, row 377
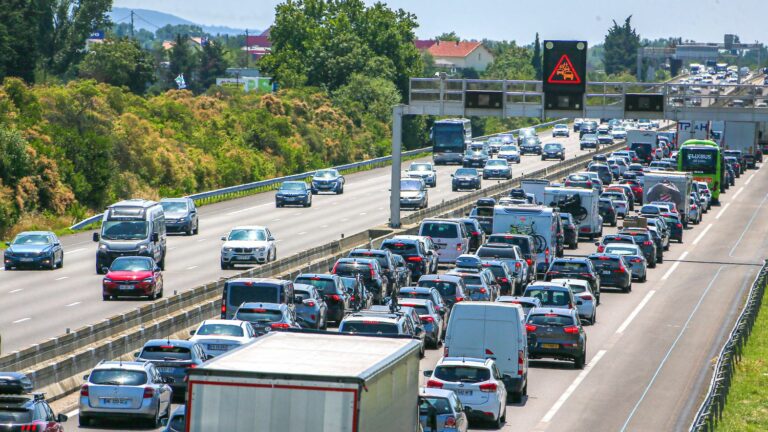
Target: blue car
column 293, row 193
column 328, row 180
column 34, row 249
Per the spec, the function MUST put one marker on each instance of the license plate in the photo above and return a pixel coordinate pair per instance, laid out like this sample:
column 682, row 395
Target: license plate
column 165, row 369
column 126, row 287
column 27, row 259
column 550, row 346
column 215, row 347
column 441, row 246
column 606, row 272
column 461, row 392
column 115, row 401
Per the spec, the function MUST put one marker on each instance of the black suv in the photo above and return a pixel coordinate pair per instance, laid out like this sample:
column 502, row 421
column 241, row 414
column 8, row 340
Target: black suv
column 607, row 212
column 386, row 262
column 575, row 268
column 412, row 251
column 527, row 247
column 614, row 271
column 331, row 287
column 370, row 272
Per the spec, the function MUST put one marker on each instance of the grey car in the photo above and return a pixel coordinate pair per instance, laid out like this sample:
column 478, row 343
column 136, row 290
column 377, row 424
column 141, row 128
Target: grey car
column 180, row 215
column 633, row 255
column 120, row 389
column 173, row 357
column 443, row 408
column 475, row 159
column 432, row 320
column 556, row 333
column 311, row 310
column 413, row 193
column 466, row 178
column 293, row 193
column 497, row 168
column 553, row 151
column 34, row 249
column 328, row 180
column 266, row 317
column 588, row 141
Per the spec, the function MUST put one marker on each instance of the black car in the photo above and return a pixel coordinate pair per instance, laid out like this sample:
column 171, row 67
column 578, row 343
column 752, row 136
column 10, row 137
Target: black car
column 553, row 151
column 413, row 252
column 466, row 178
column 180, row 215
column 530, row 145
column 575, row 268
column 451, row 287
column 614, row 271
column 475, row 159
column 504, row 276
column 730, row 177
column 734, row 163
column 644, row 239
column 370, row 272
column 739, row 155
column 328, row 180
column 588, row 128
column 606, row 210
column 293, row 193
column 556, row 333
column 570, row 230
column 26, row 412
column 675, row 226
column 173, row 357
column 476, row 233
column 332, row 289
column 386, row 263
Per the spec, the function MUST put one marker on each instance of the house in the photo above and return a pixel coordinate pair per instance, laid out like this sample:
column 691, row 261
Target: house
column 457, row 55
column 258, row 46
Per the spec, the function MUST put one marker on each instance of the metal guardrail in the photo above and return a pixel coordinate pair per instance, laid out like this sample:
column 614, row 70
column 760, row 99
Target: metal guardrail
column 271, row 183
column 711, row 410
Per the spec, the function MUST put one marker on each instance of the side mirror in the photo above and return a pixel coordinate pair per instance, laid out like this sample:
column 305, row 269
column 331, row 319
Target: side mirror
column 155, row 237
column 428, row 373
column 136, row 354
column 95, row 238
column 164, row 422
column 597, row 243
column 271, row 238
column 85, row 377
column 468, row 410
column 9, row 243
column 192, row 332
column 157, row 269
column 223, row 238
column 61, row 418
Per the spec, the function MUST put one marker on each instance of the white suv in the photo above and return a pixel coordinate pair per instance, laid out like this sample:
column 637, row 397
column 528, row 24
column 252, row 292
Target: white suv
column 478, row 384
column 248, row 245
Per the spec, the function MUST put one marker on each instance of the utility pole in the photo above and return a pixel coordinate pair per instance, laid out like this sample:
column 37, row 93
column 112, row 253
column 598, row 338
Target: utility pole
column 247, row 51
column 132, row 24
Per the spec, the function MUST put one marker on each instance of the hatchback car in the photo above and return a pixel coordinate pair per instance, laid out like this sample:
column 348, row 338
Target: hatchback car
column 413, row 193
column 586, row 301
column 383, row 322
column 633, row 256
column 132, row 276
column 23, row 412
column 120, row 389
column 477, row 383
column 266, row 317
column 413, row 252
column 180, row 215
column 588, row 141
column 644, row 239
column 553, row 295
column 386, row 264
column 527, row 303
column 311, row 310
column 558, row 334
column 248, row 244
column 424, row 293
column 443, row 408
column 293, row 193
column 579, row 181
column 369, row 272
column 575, row 268
column 604, row 138
column 497, row 168
column 425, row 171
column 34, row 249
column 480, row 285
column 475, row 158
column 614, row 271
column 218, row 336
column 173, row 357
column 553, row 151
column 466, row 178
column 328, row 180
column 432, row 320
column 505, row 277
column 603, row 171
column 450, row 287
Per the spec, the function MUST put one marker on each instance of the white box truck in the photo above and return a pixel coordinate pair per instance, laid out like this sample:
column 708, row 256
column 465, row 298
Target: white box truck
column 741, row 136
column 535, row 187
column 537, row 221
column 582, row 204
column 688, row 130
column 644, row 143
column 302, row 382
column 682, row 181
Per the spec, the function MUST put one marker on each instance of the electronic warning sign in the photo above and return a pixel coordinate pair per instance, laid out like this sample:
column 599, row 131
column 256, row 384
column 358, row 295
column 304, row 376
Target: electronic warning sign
column 565, row 74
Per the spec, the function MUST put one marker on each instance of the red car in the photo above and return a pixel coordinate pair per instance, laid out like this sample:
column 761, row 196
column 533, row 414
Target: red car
column 133, row 276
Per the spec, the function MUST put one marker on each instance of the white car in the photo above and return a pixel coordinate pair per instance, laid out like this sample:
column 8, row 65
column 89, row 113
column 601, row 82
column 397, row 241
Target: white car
column 588, row 306
column 478, row 384
column 249, row 244
column 619, row 133
column 423, row 170
column 218, row 336
column 561, row 130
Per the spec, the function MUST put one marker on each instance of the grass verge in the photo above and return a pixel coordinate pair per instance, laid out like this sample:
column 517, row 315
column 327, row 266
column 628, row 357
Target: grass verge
column 747, row 406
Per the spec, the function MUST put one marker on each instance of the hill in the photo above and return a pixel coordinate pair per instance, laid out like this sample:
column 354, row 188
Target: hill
column 151, row 20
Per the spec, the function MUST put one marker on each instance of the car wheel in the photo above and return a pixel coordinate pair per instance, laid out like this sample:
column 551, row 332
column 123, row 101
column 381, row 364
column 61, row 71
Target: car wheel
column 613, row 223
column 278, row 205
column 453, row 189
column 197, row 228
column 593, row 320
column 160, row 294
column 502, row 417
column 515, row 397
column 627, row 289
column 224, row 266
column 105, row 297
column 83, row 421
column 644, row 278
column 99, row 270
column 578, row 362
column 660, row 259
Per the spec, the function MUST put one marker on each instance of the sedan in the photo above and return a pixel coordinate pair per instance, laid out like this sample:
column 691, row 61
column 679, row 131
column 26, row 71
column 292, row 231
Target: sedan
column 423, row 170
column 293, row 193
column 311, row 310
column 328, row 180
column 475, row 158
column 497, row 168
column 604, row 137
column 266, row 317
column 588, row 141
column 561, row 130
column 553, row 151
column 133, row 276
column 509, row 152
column 531, row 144
column 466, row 178
column 556, row 333
column 413, row 193
column 40, row 249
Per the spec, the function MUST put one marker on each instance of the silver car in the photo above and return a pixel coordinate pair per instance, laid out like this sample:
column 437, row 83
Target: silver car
column 634, row 256
column 125, row 390
column 442, row 407
column 586, row 302
column 311, row 310
column 413, row 193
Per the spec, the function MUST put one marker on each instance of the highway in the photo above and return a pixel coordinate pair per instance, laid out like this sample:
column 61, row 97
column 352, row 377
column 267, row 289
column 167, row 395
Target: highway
column 41, row 304
column 650, row 351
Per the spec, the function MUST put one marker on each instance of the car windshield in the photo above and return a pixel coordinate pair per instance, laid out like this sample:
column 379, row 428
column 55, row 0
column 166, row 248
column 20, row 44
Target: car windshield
column 508, row 148
column 410, row 185
column 370, row 327
column 174, row 206
column 569, row 266
column 118, row 377
column 247, row 235
column 258, row 315
column 323, row 286
column 131, row 264
column 439, row 230
column 475, row 152
column 220, row 330
column 32, row 239
column 552, row 147
column 420, row 167
column 446, row 289
column 561, row 126
column 620, row 250
column 293, row 186
column 550, row 320
column 493, row 162
column 325, row 174
column 166, row 352
column 549, row 297
column 124, row 230
column 466, row 172
column 441, row 405
column 465, row 374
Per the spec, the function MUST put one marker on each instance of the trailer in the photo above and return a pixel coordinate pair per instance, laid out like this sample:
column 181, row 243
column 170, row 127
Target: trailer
column 674, row 186
column 742, row 136
column 535, row 187
column 308, row 382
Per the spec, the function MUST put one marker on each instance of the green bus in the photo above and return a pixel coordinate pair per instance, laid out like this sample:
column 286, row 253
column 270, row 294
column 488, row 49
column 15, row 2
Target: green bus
column 703, row 158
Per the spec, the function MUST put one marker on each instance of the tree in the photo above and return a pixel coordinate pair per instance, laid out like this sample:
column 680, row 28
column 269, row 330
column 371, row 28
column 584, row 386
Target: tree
column 119, row 62
column 181, row 59
column 19, row 39
column 449, row 37
column 621, row 44
column 212, row 65
column 169, row 31
column 367, row 96
column 536, row 59
column 511, row 62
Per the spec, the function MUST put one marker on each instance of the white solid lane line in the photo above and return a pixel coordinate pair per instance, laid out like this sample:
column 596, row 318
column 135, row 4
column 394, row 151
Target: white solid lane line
column 62, row 278
column 675, row 265
column 751, row 220
column 723, row 211
column 574, row 385
column 748, row 180
column 74, row 251
column 247, row 209
column 21, row 320
column 741, row 189
column 73, row 304
column 701, row 235
column 634, row 313
column 16, row 290
column 73, row 413
column 191, row 267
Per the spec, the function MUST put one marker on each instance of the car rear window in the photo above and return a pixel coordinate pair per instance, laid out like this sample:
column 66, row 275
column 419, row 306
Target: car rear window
column 441, row 405
column 220, row 330
column 258, row 315
column 323, row 286
column 240, row 293
column 522, row 242
column 415, row 295
column 301, row 295
column 420, row 309
column 494, row 252
column 401, row 248
column 349, row 269
column 439, row 230
column 472, row 280
column 497, row 270
column 370, row 327
column 446, row 289
column 380, row 257
column 577, row 288
column 620, row 250
column 465, row 374
column 605, row 263
column 569, row 267
column 166, row 352
column 118, row 377
column 549, row 297
column 551, row 320
column 15, row 415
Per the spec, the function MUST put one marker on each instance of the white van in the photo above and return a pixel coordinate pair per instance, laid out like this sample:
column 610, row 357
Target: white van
column 537, row 221
column 492, row 330
column 535, row 187
column 449, row 235
column 582, row 204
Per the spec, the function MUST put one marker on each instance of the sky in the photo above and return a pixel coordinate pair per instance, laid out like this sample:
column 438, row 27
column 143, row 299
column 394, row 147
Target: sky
column 699, row 20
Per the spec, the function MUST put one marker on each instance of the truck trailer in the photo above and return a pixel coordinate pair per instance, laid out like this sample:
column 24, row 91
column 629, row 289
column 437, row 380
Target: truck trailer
column 308, row 382
column 655, row 189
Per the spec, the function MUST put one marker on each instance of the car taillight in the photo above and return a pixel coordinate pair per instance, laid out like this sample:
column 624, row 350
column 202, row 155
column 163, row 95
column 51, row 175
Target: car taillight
column 475, row 233
column 191, row 366
column 647, row 243
column 450, row 422
column 373, row 274
column 458, row 247
column 279, row 326
column 636, row 260
column 483, row 290
column 586, row 296
column 427, row 319
column 31, row 427
column 488, row 387
column 600, row 248
column 223, row 308
column 414, row 259
column 603, row 258
column 620, row 270
column 529, row 261
column 520, row 361
column 459, row 299
column 571, row 330
column 335, row 297
column 333, row 271
column 310, row 304
column 518, row 265
column 434, row 384
column 589, row 184
column 149, row 393
column 530, row 328
column 679, row 225
column 84, row 390
column 693, row 207
column 503, row 280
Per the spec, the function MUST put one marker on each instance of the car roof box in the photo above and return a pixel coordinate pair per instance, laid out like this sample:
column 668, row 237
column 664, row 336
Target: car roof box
column 15, row 383
column 635, row 222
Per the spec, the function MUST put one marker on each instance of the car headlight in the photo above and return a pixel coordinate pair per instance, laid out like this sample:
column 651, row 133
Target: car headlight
column 149, row 280
column 107, row 280
column 103, row 247
column 142, row 248
column 227, row 249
